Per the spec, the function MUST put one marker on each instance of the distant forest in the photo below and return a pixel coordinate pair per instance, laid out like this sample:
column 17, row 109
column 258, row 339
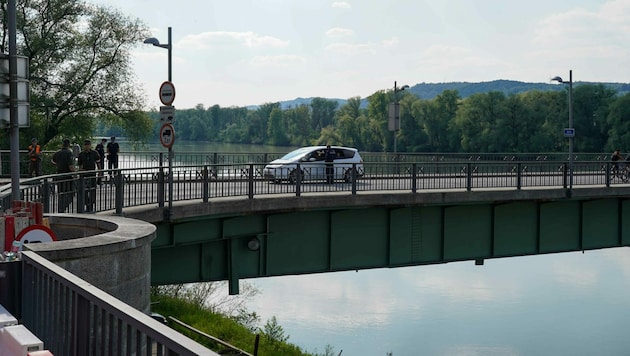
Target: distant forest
column 497, row 116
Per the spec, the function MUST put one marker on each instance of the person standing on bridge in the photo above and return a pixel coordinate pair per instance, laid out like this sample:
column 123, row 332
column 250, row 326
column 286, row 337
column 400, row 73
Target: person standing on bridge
column 100, row 148
column 88, row 161
column 64, row 161
column 112, row 156
column 329, row 158
column 34, row 159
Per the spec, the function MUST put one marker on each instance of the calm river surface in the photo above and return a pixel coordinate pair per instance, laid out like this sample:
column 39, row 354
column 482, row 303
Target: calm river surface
column 556, row 304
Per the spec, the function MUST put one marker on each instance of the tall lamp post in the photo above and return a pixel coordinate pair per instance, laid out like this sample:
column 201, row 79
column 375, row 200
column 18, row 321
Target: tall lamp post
column 570, row 131
column 395, row 120
column 169, row 46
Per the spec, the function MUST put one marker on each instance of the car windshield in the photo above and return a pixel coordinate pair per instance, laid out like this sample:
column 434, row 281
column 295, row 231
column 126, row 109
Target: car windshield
column 297, row 153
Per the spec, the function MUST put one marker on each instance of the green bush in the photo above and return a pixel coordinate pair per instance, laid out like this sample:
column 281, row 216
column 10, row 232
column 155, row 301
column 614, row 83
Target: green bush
column 272, row 342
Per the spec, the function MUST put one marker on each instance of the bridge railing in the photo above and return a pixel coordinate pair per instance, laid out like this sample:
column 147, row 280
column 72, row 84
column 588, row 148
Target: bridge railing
column 79, row 192
column 148, row 159
column 73, row 317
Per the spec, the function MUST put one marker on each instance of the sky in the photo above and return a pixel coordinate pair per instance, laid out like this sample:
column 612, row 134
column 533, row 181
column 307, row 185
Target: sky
column 250, row 52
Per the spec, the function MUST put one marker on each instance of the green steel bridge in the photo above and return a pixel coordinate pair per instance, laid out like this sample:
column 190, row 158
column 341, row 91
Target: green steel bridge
column 226, row 222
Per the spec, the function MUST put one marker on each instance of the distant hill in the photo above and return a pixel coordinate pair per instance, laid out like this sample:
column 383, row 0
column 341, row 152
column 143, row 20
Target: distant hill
column 465, row 89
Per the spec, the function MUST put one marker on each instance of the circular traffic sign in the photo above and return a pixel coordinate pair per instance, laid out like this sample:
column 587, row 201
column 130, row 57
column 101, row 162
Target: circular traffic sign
column 167, row 93
column 34, row 234
column 167, row 135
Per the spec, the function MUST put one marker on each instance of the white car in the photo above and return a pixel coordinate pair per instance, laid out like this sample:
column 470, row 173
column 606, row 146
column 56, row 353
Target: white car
column 312, row 165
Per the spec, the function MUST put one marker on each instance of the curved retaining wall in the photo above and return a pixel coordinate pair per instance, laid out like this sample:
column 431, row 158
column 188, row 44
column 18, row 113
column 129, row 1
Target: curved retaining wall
column 110, row 252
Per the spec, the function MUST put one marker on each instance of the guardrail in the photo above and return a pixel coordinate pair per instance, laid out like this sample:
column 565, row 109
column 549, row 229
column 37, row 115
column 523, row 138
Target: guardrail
column 146, row 159
column 73, row 317
column 79, row 193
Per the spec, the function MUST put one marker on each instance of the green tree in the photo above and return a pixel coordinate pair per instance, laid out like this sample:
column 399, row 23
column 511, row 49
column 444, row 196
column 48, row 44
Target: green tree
column 436, row 117
column 412, row 136
column 298, row 122
column 276, row 129
column 477, row 118
column 512, row 131
column 619, row 131
column 323, row 112
column 377, row 137
column 79, row 66
column 274, row 332
column 327, row 136
column 545, row 117
column 591, row 104
column 350, row 123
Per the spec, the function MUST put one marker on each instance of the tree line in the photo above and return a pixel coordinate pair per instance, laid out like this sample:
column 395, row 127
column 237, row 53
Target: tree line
column 531, row 121
column 82, row 85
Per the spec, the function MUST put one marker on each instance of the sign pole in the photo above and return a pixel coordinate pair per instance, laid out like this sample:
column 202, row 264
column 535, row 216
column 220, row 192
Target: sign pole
column 170, row 148
column 13, row 106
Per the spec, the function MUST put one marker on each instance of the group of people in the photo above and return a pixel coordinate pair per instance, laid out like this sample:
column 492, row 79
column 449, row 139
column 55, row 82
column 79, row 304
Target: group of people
column 86, row 160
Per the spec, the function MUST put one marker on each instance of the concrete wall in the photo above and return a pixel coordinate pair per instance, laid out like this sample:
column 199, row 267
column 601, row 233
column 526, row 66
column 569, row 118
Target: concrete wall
column 112, row 253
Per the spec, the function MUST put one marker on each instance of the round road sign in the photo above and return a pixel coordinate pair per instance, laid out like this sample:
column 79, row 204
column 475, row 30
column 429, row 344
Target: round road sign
column 167, row 93
column 167, row 135
column 36, row 233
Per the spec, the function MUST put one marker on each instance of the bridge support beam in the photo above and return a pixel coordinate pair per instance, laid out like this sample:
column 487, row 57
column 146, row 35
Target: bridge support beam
column 234, row 247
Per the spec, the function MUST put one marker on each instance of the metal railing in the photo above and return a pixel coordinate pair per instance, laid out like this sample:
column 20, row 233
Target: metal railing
column 79, row 192
column 72, row 317
column 148, row 159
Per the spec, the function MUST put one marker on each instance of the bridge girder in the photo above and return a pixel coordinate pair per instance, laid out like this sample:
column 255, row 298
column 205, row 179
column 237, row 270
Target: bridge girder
column 233, row 247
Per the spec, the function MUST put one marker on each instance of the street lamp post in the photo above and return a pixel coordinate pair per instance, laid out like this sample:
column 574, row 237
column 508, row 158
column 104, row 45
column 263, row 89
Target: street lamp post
column 570, row 131
column 169, row 46
column 154, row 41
column 396, row 124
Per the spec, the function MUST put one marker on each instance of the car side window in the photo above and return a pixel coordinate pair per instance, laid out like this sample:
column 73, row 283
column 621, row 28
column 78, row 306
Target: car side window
column 345, row 154
column 314, row 156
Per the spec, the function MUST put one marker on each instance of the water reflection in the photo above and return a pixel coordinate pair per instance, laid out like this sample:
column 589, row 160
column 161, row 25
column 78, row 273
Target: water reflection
column 560, row 304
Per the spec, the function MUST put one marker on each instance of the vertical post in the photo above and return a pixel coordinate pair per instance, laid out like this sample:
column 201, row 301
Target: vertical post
column 298, row 180
column 46, row 195
column 414, row 171
column 564, row 175
column 118, row 181
column 170, row 149
column 396, row 118
column 13, row 108
column 160, row 191
column 205, row 182
column 170, row 55
column 256, row 342
column 250, row 180
column 469, row 170
column 354, row 179
column 81, row 194
column 571, row 126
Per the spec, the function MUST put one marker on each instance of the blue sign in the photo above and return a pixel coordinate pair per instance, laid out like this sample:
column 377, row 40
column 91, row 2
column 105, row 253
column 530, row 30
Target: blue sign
column 569, row 132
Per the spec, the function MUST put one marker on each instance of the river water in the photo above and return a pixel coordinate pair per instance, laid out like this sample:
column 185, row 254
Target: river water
column 555, row 304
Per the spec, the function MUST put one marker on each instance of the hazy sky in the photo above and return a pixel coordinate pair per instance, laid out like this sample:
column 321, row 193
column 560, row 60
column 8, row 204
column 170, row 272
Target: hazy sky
column 244, row 52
